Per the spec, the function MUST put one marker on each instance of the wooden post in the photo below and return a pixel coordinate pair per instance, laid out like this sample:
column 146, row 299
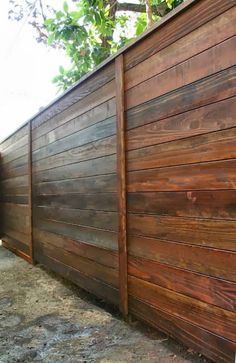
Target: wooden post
column 30, row 199
column 121, row 185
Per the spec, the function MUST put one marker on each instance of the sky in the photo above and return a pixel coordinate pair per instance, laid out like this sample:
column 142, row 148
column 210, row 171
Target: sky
column 27, row 69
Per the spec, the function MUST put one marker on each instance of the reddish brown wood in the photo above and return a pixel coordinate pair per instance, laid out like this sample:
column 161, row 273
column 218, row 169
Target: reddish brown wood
column 16, row 251
column 30, row 186
column 121, row 185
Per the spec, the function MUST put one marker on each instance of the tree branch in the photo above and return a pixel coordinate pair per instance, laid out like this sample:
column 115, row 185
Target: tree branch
column 161, row 9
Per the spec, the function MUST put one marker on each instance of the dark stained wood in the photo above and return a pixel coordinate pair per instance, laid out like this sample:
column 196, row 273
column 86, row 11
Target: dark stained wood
column 91, row 218
column 197, row 15
column 101, row 255
column 209, row 34
column 87, row 267
column 100, row 166
column 100, row 289
column 16, row 246
column 88, row 151
column 96, row 201
column 203, row 176
column 218, row 204
column 88, row 119
column 217, row 348
column 15, row 199
column 204, row 232
column 219, row 321
column 202, row 65
column 12, row 139
column 139, row 206
column 74, row 95
column 94, row 184
column 9, row 244
column 121, row 185
column 201, row 287
column 213, row 146
column 30, row 191
column 96, row 132
column 195, row 258
column 211, row 89
column 89, row 235
column 213, row 117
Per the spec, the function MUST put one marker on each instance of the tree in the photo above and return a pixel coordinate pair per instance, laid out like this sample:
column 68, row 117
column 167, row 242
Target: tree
column 88, row 30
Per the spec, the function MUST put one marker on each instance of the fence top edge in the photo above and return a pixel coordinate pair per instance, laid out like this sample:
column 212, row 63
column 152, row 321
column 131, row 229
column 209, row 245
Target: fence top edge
column 168, row 17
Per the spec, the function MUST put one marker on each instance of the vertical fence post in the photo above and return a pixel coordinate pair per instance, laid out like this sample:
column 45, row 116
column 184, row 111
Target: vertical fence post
column 30, row 196
column 121, row 185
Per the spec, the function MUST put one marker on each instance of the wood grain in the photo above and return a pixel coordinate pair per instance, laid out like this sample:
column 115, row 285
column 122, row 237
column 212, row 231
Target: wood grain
column 203, row 176
column 121, row 185
column 208, row 90
column 194, row 258
column 201, row 340
column 213, row 291
column 219, row 321
column 218, row 204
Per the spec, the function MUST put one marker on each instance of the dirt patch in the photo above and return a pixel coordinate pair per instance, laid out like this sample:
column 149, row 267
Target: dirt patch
column 44, row 318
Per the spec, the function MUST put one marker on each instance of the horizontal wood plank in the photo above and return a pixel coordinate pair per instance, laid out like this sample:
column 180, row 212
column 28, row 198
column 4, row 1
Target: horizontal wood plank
column 202, row 65
column 88, row 119
column 218, row 204
column 203, row 176
column 96, row 132
column 213, row 291
column 101, row 255
column 195, row 258
column 211, row 89
column 92, row 150
column 91, row 218
column 219, row 321
column 99, row 166
column 213, row 117
column 203, row 232
column 217, row 348
column 206, row 36
column 89, row 235
column 214, row 146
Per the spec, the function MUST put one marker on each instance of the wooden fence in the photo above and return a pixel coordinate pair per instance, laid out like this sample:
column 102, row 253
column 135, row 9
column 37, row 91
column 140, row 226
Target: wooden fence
column 126, row 184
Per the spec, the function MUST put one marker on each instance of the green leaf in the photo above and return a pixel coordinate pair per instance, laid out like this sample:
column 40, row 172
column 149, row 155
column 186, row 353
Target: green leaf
column 65, row 7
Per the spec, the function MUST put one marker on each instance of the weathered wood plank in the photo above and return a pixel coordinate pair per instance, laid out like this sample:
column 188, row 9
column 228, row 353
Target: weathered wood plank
column 201, row 287
column 218, row 204
column 217, row 348
column 214, row 233
column 88, row 168
column 96, row 82
column 202, row 65
column 211, row 89
column 94, row 286
column 90, row 218
column 93, row 184
column 88, row 119
column 198, row 14
column 101, row 255
column 206, row 36
column 89, row 235
column 214, row 146
column 93, row 150
column 219, row 321
column 96, row 132
column 85, row 266
column 213, row 117
column 203, row 176
column 204, row 260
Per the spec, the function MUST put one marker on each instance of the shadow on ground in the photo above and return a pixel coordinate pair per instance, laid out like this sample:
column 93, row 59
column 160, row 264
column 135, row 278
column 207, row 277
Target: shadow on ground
column 43, row 318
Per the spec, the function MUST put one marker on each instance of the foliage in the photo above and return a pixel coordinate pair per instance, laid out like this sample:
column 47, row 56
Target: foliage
column 89, row 31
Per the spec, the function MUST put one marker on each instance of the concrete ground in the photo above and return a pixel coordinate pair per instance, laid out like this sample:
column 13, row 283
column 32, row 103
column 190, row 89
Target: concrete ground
column 43, row 318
